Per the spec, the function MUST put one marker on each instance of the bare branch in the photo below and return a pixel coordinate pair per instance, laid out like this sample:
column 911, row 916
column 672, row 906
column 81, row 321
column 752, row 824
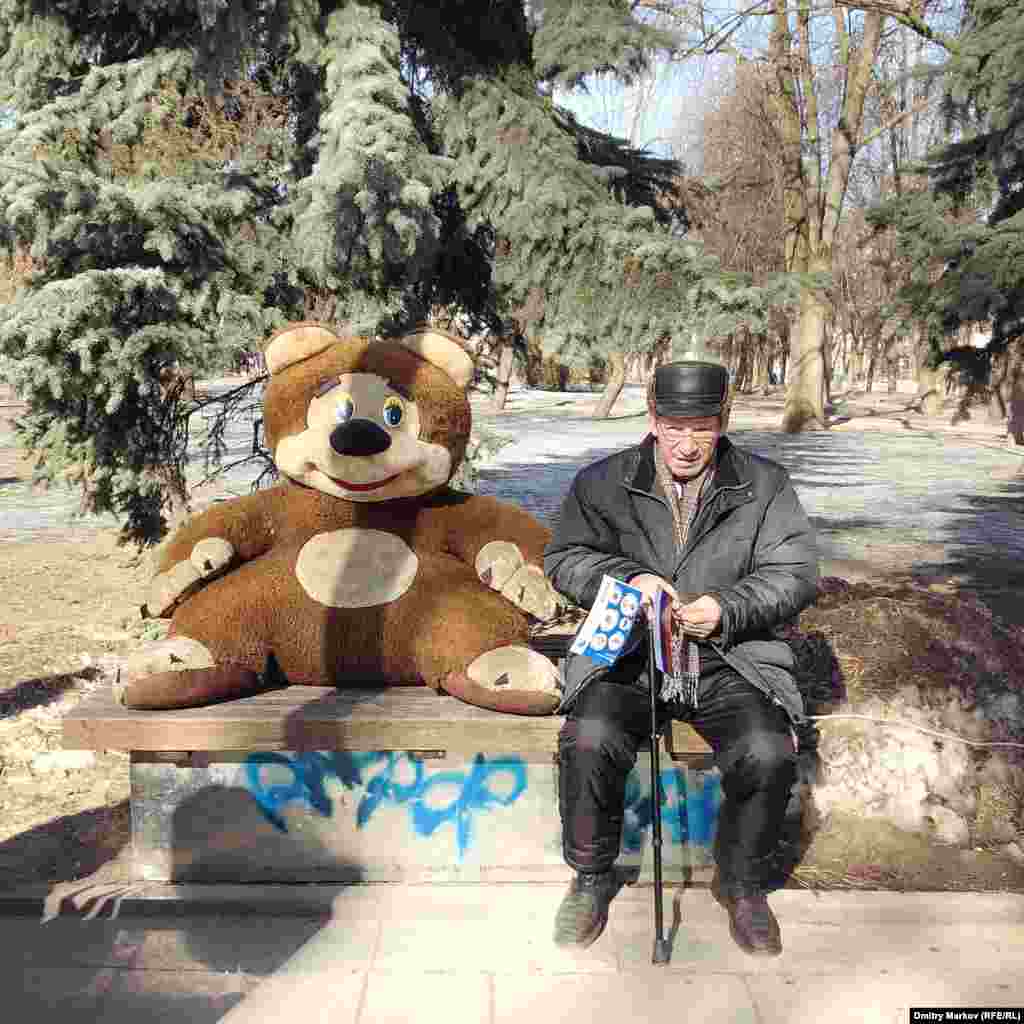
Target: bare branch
column 905, row 13
column 919, row 106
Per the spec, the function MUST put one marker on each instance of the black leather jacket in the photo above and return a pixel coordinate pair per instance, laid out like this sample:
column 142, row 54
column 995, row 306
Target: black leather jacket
column 750, row 546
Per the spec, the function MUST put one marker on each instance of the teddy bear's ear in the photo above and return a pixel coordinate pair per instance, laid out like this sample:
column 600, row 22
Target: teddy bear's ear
column 442, row 350
column 296, row 342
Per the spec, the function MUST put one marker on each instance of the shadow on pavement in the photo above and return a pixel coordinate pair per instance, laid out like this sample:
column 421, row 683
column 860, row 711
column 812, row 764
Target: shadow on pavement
column 96, row 962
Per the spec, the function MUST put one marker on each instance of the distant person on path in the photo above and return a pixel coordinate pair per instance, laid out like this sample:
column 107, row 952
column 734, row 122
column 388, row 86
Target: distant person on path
column 723, row 531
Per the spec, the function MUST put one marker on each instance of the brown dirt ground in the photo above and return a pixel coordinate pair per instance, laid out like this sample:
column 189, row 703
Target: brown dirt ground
column 76, row 597
column 64, row 600
column 867, row 641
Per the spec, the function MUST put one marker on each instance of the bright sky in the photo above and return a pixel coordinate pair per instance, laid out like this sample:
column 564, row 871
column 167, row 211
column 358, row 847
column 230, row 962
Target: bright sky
column 661, row 113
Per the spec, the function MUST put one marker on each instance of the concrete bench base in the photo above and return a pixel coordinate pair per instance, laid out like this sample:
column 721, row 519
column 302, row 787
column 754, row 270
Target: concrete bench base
column 388, row 816
column 313, row 784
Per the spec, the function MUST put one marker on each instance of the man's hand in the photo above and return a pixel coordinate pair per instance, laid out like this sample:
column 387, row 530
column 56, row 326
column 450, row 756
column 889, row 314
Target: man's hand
column 700, row 617
column 648, row 584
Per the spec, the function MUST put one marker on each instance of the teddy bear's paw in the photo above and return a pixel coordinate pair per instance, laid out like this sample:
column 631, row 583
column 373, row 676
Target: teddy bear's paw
column 497, row 562
column 513, row 678
column 529, row 589
column 168, row 589
column 211, row 555
column 172, row 654
column 171, row 673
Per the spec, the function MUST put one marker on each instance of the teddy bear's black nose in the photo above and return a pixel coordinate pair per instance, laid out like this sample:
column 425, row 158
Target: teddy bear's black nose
column 360, row 437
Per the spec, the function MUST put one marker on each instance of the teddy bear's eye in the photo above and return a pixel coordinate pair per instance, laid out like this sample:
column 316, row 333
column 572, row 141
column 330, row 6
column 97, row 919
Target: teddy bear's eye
column 394, row 410
column 343, row 408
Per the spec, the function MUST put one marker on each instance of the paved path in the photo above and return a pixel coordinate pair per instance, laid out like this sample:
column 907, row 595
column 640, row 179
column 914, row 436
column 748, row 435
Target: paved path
column 482, row 954
column 925, row 503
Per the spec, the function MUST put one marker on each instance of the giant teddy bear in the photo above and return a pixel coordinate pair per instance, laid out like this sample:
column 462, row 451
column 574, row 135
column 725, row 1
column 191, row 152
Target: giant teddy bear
column 363, row 567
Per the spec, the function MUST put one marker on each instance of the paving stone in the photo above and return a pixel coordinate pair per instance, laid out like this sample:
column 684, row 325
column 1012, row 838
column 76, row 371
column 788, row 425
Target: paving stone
column 49, row 995
column 397, row 998
column 634, row 997
column 875, row 995
column 329, row 998
column 199, row 997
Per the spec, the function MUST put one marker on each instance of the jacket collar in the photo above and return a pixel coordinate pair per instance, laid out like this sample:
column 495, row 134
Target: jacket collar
column 640, row 474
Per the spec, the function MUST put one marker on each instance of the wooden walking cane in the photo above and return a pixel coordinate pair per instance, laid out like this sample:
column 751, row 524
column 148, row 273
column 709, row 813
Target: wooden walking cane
column 661, row 949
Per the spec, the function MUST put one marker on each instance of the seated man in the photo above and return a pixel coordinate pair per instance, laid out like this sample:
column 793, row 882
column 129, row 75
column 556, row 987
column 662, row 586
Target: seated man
column 687, row 511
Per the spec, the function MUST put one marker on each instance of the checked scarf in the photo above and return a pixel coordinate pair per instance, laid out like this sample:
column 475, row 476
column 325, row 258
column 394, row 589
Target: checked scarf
column 683, row 499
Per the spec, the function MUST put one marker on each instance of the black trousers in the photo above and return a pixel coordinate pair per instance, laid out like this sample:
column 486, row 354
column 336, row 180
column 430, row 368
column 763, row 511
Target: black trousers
column 753, row 746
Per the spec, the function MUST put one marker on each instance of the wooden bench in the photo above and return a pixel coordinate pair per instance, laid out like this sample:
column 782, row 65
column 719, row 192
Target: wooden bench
column 267, row 743
column 397, row 718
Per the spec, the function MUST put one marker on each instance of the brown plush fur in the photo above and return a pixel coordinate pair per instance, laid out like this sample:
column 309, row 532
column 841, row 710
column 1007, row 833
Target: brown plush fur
column 257, row 608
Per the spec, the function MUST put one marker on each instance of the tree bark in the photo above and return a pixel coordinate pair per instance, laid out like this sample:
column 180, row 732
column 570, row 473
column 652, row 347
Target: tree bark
column 822, row 201
column 1015, row 393
column 726, row 353
column 612, row 390
column 505, row 354
column 998, row 380
column 826, row 352
column 929, row 381
column 743, row 367
column 857, row 361
column 761, row 358
column 805, row 391
column 534, row 361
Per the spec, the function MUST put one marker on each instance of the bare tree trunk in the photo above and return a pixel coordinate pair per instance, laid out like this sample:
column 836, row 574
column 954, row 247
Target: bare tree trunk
column 805, row 390
column 761, row 358
column 505, row 353
column 826, row 353
column 612, row 390
column 823, row 199
column 929, row 381
column 1015, row 393
column 998, row 381
column 784, row 336
column 857, row 362
column 845, row 356
column 727, row 353
column 632, row 370
column 890, row 362
column 743, row 368
column 534, row 361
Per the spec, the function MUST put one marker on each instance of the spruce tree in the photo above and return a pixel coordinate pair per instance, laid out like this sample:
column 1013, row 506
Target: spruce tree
column 963, row 234
column 187, row 175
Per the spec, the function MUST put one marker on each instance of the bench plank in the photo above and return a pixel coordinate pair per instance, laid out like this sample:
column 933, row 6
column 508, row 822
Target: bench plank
column 323, row 718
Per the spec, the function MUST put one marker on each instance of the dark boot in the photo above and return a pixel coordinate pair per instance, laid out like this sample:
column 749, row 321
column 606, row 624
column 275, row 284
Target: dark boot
column 583, row 913
column 751, row 922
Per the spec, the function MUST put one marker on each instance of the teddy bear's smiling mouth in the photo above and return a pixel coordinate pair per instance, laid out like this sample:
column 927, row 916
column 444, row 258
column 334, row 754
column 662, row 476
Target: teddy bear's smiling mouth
column 364, row 487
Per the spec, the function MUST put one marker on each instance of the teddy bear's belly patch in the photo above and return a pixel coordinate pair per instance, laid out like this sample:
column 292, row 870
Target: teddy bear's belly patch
column 355, row 568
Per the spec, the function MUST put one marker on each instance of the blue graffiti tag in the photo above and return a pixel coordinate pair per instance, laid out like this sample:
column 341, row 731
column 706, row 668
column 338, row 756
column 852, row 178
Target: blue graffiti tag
column 686, row 815
column 309, row 773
